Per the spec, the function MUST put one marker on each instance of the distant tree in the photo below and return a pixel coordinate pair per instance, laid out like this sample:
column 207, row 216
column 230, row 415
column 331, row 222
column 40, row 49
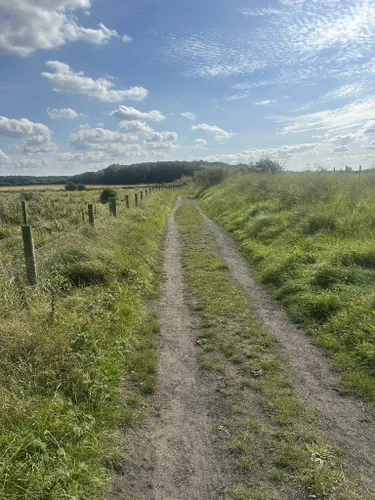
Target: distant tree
column 267, row 165
column 81, row 187
column 106, row 194
column 70, row 186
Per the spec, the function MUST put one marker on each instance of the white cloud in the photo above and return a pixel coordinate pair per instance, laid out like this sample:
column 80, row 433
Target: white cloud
column 29, row 25
column 159, row 145
column 199, row 144
column 266, row 102
column 30, row 163
column 340, row 149
column 260, row 12
column 65, row 80
column 135, row 127
column 188, row 115
column 298, row 40
column 99, row 138
column 281, row 153
column 67, row 113
column 4, row 159
column 126, row 38
column 220, row 134
column 348, row 116
column 129, row 113
column 36, row 136
column 158, row 137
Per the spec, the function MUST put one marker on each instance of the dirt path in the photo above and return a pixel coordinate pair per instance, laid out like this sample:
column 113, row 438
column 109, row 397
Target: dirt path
column 185, row 462
column 343, row 417
column 172, row 455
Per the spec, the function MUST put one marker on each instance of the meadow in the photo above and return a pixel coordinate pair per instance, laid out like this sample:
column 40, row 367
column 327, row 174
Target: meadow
column 310, row 238
column 77, row 350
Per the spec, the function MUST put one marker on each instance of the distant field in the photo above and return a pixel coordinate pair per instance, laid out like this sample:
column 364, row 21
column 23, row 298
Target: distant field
column 53, row 187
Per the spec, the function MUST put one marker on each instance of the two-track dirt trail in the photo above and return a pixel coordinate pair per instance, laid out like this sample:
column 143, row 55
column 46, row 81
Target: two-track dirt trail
column 175, row 454
column 343, row 416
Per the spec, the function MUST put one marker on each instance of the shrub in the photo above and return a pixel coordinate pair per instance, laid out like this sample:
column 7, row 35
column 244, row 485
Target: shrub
column 81, row 187
column 210, row 176
column 106, row 194
column 70, row 186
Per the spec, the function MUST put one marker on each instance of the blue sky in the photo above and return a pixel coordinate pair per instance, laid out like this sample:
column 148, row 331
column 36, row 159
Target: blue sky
column 87, row 83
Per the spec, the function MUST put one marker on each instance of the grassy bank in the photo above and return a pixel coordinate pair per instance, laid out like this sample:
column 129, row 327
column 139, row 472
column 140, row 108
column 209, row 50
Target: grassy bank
column 311, row 240
column 272, row 441
column 66, row 347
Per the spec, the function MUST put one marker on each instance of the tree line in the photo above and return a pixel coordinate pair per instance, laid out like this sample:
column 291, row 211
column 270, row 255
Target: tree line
column 142, row 173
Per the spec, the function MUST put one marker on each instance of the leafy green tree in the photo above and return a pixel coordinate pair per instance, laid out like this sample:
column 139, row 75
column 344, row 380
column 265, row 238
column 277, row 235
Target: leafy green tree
column 106, row 194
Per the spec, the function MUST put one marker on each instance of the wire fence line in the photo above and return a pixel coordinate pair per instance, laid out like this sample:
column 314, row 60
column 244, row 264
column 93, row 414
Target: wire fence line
column 17, row 267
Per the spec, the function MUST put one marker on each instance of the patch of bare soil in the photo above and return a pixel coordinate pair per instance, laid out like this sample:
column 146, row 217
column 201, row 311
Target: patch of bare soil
column 343, row 417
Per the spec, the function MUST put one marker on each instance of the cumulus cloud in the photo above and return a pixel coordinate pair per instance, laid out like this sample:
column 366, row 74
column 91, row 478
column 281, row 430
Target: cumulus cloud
column 161, row 137
column 4, row 159
column 99, row 138
column 135, row 127
column 67, row 113
column 30, row 163
column 189, row 115
column 126, row 38
column 130, row 113
column 65, row 80
column 199, row 144
column 220, row 134
column 340, row 149
column 29, row 25
column 36, row 136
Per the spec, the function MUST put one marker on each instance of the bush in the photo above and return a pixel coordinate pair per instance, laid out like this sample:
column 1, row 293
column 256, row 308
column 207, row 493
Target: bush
column 210, row 176
column 81, row 187
column 70, row 186
column 106, row 194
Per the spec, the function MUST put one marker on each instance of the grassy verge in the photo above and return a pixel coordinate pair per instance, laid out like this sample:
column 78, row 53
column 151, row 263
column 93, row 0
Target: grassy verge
column 274, row 443
column 65, row 347
column 311, row 240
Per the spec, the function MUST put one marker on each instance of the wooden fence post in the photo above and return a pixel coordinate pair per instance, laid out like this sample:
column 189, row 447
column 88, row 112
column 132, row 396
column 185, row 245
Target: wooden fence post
column 112, row 206
column 146, row 192
column 141, row 195
column 24, row 212
column 127, row 201
column 360, row 169
column 28, row 248
column 90, row 209
column 136, row 200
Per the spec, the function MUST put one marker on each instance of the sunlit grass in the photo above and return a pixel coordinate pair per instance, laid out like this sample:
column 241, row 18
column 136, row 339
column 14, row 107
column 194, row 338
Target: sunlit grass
column 311, row 240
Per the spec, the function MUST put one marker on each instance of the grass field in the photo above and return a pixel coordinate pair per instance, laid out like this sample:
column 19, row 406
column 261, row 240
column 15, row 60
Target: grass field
column 311, row 240
column 67, row 344
column 57, row 187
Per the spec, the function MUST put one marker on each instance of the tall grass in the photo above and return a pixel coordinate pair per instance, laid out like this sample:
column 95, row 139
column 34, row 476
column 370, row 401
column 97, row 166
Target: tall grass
column 311, row 238
column 66, row 347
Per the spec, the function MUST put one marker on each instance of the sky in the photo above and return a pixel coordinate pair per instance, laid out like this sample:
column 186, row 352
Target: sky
column 88, row 83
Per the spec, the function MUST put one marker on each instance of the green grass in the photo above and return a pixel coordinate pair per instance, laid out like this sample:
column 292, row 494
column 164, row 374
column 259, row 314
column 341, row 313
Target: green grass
column 77, row 357
column 274, row 443
column 311, row 240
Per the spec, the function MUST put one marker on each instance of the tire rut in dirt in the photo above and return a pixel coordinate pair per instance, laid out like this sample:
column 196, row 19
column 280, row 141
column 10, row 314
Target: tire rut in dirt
column 343, row 417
